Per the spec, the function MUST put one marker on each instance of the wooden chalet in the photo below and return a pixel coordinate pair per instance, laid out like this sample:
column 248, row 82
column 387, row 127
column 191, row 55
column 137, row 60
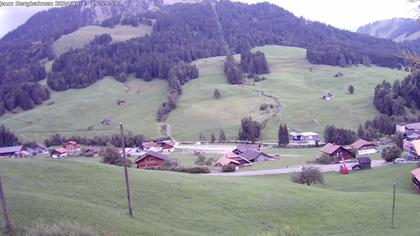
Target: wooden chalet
column 232, row 158
column 167, row 146
column 364, row 147
column 151, row 159
column 72, row 146
column 12, row 151
column 59, row 153
column 337, row 151
column 413, row 149
column 416, row 179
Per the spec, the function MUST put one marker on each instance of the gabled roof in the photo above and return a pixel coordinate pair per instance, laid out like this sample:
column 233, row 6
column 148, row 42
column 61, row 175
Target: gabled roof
column 243, row 147
column 416, row 173
column 250, row 155
column 416, row 145
column 149, row 144
column 153, row 154
column 12, row 149
column 360, row 143
column 71, row 142
column 234, row 156
column 226, row 161
column 60, row 150
column 330, row 148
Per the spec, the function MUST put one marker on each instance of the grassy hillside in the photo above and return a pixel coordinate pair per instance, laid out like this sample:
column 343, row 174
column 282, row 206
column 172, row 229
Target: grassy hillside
column 84, row 35
column 79, row 112
column 298, row 86
column 168, row 203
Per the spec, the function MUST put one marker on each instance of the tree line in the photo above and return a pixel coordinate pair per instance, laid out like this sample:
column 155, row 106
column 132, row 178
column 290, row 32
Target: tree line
column 131, row 140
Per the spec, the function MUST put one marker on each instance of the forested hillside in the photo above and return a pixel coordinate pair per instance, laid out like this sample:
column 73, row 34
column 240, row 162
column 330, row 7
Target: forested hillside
column 181, row 33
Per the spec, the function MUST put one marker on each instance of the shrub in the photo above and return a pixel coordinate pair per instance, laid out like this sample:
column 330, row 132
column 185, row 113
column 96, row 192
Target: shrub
column 209, row 162
column 111, row 155
column 229, row 168
column 389, row 154
column 281, row 231
column 327, row 160
column 201, row 159
column 308, row 175
column 194, row 170
column 59, row 229
column 351, row 89
column 264, row 106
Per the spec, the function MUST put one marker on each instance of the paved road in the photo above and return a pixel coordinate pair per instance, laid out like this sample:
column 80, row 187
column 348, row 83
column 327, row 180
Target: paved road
column 322, row 168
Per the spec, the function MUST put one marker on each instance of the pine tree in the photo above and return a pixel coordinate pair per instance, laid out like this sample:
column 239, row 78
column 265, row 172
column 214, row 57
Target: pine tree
column 216, row 94
column 360, row 132
column 283, row 135
column 222, row 136
column 212, row 138
column 351, row 89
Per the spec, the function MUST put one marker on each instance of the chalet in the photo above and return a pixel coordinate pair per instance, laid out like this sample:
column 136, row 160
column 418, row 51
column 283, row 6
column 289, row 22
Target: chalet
column 364, row 147
column 363, row 163
column 327, row 96
column 416, row 179
column 167, row 146
column 243, row 147
column 413, row 149
column 255, row 156
column 336, row 151
column 14, row 151
column 232, row 158
column 59, row 153
column 151, row 159
column 304, row 138
column 151, row 146
column 72, row 146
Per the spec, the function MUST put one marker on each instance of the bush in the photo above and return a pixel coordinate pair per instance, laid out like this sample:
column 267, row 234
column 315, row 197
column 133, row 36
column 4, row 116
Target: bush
column 111, row 155
column 59, row 229
column 389, row 154
column 308, row 175
column 281, row 231
column 190, row 170
column 229, row 168
column 327, row 160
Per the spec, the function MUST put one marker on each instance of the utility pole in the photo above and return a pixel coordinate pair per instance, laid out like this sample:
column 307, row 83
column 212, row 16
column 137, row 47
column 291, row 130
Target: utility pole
column 393, row 209
column 7, row 226
column 130, row 211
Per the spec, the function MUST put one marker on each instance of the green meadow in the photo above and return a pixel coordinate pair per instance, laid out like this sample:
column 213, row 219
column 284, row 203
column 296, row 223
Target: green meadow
column 167, row 203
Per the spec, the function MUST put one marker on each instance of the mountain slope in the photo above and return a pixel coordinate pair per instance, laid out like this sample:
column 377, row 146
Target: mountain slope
column 397, row 29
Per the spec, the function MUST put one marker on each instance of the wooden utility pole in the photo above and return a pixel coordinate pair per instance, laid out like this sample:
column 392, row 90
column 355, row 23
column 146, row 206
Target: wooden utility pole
column 7, row 227
column 393, row 209
column 130, row 211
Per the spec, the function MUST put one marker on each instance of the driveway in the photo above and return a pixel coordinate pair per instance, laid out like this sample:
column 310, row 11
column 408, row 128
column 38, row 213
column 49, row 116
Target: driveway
column 322, row 168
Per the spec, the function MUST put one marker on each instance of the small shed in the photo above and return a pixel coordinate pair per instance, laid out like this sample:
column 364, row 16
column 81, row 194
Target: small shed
column 363, row 163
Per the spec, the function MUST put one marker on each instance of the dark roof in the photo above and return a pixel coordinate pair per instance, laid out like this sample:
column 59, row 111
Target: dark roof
column 250, row 155
column 330, row 148
column 153, row 154
column 360, row 143
column 243, row 147
column 10, row 149
column 364, row 160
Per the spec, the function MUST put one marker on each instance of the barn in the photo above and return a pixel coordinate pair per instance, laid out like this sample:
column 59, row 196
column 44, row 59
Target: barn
column 11, row 151
column 151, row 159
column 336, row 151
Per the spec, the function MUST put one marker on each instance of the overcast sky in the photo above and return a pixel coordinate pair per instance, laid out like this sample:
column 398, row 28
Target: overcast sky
column 344, row 14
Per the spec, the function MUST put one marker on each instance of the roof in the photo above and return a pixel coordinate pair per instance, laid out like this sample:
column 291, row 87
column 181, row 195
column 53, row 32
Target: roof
column 416, row 145
column 60, row 150
column 415, row 126
column 226, row 161
column 12, row 149
column 250, row 155
column 244, row 147
column 149, row 144
column 168, row 142
column 309, row 134
column 153, row 154
column 330, row 148
column 360, row 143
column 71, row 142
column 364, row 160
column 416, row 173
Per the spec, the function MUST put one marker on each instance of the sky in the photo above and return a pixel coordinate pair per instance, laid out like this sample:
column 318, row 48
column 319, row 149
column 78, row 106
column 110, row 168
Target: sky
column 344, row 14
